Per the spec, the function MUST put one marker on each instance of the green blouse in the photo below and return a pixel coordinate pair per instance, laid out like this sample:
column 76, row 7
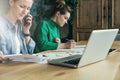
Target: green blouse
column 44, row 35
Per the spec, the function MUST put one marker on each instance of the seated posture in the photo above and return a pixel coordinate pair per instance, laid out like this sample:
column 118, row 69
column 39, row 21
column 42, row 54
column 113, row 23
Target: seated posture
column 47, row 35
column 14, row 29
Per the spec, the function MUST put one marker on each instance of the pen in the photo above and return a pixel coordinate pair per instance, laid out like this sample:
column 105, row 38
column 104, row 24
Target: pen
column 45, row 55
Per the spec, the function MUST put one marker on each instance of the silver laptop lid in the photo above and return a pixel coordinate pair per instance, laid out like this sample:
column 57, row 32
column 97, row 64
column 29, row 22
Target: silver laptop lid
column 98, row 45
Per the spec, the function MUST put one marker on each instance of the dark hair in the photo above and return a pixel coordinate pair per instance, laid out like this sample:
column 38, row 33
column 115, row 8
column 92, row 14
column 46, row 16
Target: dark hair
column 61, row 7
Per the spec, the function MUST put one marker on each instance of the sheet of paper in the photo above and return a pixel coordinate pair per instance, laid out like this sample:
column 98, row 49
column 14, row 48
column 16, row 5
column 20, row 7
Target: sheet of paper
column 43, row 57
column 79, row 49
column 60, row 53
column 25, row 58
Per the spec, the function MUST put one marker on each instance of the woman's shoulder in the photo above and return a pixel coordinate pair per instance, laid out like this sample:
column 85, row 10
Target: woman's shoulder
column 45, row 21
column 43, row 24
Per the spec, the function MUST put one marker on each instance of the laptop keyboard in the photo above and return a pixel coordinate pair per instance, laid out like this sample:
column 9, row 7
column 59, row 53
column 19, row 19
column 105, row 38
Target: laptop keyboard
column 72, row 59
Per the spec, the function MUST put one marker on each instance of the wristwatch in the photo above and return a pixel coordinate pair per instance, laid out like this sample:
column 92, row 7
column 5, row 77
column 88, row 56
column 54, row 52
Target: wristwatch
column 27, row 34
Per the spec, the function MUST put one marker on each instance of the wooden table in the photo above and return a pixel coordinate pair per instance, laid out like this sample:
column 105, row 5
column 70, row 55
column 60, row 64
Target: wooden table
column 108, row 69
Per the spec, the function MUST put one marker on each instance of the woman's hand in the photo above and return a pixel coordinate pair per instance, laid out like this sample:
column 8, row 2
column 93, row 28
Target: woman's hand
column 57, row 40
column 27, row 23
column 67, row 45
column 70, row 44
column 2, row 57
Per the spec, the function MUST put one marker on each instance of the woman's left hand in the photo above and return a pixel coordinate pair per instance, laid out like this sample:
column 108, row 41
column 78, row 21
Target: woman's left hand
column 2, row 57
column 57, row 40
column 27, row 23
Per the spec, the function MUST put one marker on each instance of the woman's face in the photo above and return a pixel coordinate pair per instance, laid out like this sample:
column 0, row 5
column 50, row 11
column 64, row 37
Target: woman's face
column 20, row 8
column 62, row 19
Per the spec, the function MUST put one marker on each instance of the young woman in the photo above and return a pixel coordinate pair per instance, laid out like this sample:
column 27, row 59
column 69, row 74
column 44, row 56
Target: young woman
column 14, row 29
column 47, row 35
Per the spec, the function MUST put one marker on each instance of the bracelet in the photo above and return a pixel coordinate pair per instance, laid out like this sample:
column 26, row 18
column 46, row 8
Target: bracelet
column 27, row 35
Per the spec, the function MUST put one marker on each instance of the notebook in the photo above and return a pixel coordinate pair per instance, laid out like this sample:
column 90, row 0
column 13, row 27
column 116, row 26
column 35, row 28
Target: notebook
column 97, row 49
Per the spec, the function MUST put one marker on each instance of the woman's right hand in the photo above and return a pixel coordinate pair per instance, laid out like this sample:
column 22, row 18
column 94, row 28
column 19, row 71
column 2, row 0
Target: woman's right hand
column 2, row 57
column 70, row 44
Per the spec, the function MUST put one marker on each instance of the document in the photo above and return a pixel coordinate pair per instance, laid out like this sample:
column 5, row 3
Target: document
column 78, row 49
column 45, row 56
column 60, row 53
column 25, row 58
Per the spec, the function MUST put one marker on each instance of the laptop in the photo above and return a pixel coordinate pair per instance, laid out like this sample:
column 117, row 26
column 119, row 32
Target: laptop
column 97, row 49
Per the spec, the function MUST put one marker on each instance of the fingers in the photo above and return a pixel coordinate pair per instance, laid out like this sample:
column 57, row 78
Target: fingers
column 71, row 44
column 27, row 20
column 27, row 23
column 2, row 57
column 57, row 40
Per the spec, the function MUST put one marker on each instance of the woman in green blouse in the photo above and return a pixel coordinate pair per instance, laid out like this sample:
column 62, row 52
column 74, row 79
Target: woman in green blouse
column 47, row 35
